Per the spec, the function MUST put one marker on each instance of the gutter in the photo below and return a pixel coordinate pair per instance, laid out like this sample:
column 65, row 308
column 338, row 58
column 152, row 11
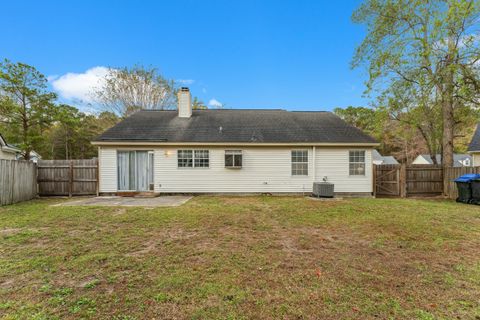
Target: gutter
column 10, row 149
column 255, row 144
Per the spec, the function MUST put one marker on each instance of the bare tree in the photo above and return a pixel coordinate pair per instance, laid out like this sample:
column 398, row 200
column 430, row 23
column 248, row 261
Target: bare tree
column 127, row 90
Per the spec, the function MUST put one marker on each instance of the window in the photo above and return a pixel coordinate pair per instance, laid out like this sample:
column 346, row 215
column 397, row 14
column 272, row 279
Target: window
column 185, row 158
column 193, row 158
column 299, row 162
column 233, row 158
column 202, row 158
column 357, row 163
column 135, row 170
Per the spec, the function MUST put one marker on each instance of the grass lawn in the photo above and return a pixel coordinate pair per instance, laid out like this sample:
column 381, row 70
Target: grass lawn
column 242, row 258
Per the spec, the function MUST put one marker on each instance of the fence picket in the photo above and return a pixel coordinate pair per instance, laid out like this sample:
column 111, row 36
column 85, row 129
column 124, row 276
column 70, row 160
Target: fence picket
column 453, row 173
column 403, row 181
column 68, row 177
column 17, row 181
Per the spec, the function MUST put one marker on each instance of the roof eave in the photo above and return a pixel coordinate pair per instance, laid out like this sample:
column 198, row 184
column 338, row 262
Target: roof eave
column 166, row 143
column 10, row 149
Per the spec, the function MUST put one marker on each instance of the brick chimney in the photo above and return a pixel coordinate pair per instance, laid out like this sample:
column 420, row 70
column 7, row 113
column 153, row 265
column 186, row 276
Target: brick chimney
column 184, row 103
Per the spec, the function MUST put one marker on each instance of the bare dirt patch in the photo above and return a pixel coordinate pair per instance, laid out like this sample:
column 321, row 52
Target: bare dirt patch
column 246, row 257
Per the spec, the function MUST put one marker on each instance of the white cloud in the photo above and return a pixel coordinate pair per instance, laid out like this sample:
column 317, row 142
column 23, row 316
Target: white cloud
column 79, row 86
column 185, row 82
column 215, row 103
column 204, row 90
column 52, row 77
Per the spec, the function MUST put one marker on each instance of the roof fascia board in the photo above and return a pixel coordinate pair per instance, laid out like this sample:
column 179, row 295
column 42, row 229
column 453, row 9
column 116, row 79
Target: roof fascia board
column 10, row 149
column 259, row 144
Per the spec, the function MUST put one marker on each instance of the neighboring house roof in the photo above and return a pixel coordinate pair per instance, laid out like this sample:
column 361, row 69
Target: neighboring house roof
column 389, row 160
column 459, row 160
column 379, row 159
column 236, row 126
column 34, row 156
column 6, row 147
column 474, row 145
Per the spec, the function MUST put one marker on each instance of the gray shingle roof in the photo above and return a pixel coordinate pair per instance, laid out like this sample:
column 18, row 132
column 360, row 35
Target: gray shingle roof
column 475, row 143
column 260, row 126
column 458, row 159
column 379, row 159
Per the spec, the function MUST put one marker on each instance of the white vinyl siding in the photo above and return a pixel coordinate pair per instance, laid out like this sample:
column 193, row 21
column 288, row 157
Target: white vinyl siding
column 7, row 155
column 476, row 159
column 333, row 163
column 108, row 169
column 264, row 169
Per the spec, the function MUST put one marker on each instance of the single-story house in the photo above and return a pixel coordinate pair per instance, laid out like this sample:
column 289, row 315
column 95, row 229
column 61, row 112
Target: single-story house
column 233, row 151
column 459, row 160
column 34, row 156
column 378, row 159
column 10, row 152
column 474, row 147
column 7, row 151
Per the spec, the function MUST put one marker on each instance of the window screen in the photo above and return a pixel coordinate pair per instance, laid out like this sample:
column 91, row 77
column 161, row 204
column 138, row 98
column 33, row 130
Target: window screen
column 193, row 158
column 233, row 158
column 185, row 158
column 299, row 162
column 202, row 158
column 357, row 163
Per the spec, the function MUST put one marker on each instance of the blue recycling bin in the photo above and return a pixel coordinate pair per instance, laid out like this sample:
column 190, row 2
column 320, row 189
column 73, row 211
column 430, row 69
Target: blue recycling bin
column 464, row 187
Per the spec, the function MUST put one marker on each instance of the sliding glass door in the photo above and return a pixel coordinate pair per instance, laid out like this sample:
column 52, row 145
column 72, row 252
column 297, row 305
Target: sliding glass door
column 135, row 170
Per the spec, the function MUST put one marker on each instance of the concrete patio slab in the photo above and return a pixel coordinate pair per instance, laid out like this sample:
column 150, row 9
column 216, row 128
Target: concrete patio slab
column 163, row 201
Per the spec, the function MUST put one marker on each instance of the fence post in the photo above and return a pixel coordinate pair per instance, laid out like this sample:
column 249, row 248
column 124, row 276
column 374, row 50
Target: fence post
column 374, row 182
column 403, row 180
column 70, row 184
column 445, row 182
column 97, row 171
column 35, row 180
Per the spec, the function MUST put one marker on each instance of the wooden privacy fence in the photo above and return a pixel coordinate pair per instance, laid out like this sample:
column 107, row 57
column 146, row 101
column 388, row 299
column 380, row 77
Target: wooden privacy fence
column 453, row 173
column 423, row 180
column 18, row 181
column 403, row 181
column 67, row 177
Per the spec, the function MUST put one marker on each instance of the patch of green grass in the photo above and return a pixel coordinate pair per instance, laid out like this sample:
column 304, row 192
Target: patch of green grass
column 92, row 284
column 241, row 258
column 85, row 305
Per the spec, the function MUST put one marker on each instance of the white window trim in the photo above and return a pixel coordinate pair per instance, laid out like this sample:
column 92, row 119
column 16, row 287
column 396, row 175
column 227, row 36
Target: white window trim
column 193, row 159
column 233, row 153
column 291, row 163
column 364, row 163
column 149, row 151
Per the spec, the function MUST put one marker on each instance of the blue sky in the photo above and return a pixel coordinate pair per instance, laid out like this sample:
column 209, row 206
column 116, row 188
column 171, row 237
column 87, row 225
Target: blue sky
column 293, row 55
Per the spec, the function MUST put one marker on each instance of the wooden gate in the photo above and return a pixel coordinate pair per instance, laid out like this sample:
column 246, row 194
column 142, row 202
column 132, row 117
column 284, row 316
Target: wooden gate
column 404, row 181
column 67, row 177
column 387, row 180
